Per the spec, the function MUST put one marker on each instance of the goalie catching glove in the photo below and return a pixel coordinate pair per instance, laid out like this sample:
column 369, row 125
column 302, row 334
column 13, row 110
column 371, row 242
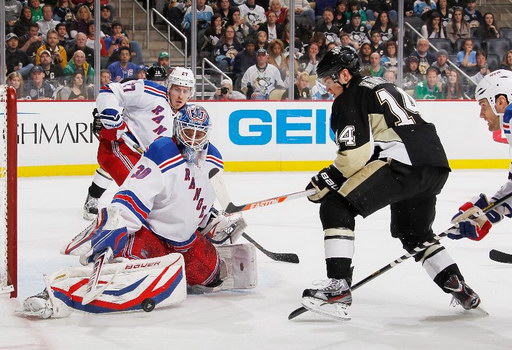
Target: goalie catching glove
column 472, row 222
column 327, row 179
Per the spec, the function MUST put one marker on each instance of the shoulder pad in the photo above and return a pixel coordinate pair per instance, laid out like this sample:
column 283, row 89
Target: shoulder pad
column 371, row 82
column 213, row 156
column 164, row 150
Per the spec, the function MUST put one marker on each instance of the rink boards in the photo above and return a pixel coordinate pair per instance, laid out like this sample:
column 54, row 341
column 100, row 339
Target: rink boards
column 55, row 138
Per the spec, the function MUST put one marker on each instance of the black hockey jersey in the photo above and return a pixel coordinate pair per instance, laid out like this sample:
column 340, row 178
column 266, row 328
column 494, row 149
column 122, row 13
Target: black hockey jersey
column 373, row 119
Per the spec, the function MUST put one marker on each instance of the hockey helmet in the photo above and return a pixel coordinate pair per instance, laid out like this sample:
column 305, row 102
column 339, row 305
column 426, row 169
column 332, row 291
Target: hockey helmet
column 183, row 77
column 156, row 73
column 493, row 84
column 337, row 59
column 191, row 127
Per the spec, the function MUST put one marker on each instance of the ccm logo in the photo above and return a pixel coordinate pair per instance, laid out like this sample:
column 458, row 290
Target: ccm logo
column 264, row 204
column 136, row 266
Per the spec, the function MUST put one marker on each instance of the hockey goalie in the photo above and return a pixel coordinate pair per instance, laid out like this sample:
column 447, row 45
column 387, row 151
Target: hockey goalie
column 156, row 239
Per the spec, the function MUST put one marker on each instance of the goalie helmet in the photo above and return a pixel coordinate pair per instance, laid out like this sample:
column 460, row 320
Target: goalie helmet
column 493, row 84
column 156, row 73
column 183, row 77
column 191, row 129
column 337, row 59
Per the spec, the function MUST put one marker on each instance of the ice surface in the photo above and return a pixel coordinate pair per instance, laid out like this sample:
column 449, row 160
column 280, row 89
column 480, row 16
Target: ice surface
column 402, row 309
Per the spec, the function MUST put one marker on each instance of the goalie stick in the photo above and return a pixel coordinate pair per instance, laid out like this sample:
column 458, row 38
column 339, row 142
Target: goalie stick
column 219, row 187
column 500, row 256
column 92, row 291
column 418, row 249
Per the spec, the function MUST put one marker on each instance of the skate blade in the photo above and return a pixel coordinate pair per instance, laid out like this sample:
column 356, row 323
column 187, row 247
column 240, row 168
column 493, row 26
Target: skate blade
column 335, row 311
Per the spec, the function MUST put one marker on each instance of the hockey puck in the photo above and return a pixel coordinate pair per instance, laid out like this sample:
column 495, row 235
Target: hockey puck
column 148, row 305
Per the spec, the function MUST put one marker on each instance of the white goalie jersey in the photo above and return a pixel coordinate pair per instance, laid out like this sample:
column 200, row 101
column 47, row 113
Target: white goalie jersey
column 166, row 194
column 141, row 105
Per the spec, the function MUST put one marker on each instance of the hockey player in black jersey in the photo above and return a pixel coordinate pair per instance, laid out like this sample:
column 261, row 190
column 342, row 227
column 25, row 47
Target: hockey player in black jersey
column 387, row 155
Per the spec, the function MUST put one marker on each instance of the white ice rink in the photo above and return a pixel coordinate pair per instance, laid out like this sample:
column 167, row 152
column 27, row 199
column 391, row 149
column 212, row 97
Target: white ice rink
column 401, row 309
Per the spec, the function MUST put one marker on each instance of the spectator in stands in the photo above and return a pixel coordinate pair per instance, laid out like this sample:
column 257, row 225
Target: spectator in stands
column 212, row 35
column 63, row 11
column 273, row 29
column 91, row 37
column 242, row 29
column 326, row 24
column 63, row 34
column 453, row 88
column 441, row 63
column 280, row 11
column 81, row 44
column 457, row 3
column 259, row 80
column 30, row 42
column 423, row 7
column 445, row 12
column 226, row 50
column 321, row 5
column 12, row 9
column 389, row 76
column 204, row 17
column 431, row 88
column 225, row 10
column 483, row 67
column 262, row 40
column 364, row 54
column 433, row 28
column 356, row 29
column 15, row 80
column 340, row 19
column 304, row 14
column 457, row 28
column 58, row 53
column 387, row 29
column 277, row 58
column 37, row 88
column 37, row 12
column 123, row 68
column 78, row 63
column 471, row 15
column 412, row 74
column 376, row 43
column 243, row 60
column 16, row 59
column 346, row 41
column 164, row 61
column 78, row 89
column 489, row 29
column 375, row 68
column 466, row 58
column 425, row 57
column 353, row 8
column 390, row 59
column 53, row 73
column 105, row 77
column 301, row 88
column 47, row 23
column 254, row 15
column 506, row 62
column 22, row 25
column 83, row 17
column 308, row 62
column 106, row 19
column 226, row 92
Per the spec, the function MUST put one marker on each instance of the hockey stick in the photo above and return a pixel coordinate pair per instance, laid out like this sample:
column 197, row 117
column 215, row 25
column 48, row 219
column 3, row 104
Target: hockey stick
column 500, row 256
column 219, row 187
column 418, row 249
column 92, row 291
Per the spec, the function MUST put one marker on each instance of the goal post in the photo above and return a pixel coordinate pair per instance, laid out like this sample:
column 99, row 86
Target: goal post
column 8, row 191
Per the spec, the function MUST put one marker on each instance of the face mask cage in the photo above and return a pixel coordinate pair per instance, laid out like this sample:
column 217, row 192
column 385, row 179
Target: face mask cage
column 191, row 135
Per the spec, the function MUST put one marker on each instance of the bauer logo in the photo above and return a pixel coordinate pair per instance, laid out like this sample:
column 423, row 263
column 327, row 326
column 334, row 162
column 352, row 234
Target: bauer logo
column 141, row 265
column 287, row 126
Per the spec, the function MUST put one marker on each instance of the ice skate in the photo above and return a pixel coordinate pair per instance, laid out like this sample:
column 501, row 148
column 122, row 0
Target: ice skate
column 90, row 208
column 462, row 293
column 332, row 300
column 38, row 305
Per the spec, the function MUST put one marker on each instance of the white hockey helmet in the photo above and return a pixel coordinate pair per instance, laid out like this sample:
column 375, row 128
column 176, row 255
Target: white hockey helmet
column 183, row 77
column 493, row 84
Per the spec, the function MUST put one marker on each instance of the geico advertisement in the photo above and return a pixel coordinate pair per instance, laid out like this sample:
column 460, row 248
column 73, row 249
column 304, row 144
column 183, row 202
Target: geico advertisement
column 59, row 133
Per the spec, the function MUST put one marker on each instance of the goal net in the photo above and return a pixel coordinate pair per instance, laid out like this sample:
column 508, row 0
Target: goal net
column 8, row 191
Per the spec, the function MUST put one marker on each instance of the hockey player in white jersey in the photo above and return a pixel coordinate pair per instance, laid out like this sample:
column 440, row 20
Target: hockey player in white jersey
column 494, row 95
column 161, row 209
column 131, row 113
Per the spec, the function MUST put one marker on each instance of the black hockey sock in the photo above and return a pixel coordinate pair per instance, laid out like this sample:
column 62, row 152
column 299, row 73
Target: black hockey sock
column 96, row 191
column 339, row 268
column 445, row 274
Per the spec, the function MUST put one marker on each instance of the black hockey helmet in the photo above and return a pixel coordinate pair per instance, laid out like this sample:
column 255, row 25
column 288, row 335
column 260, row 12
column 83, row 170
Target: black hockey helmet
column 156, row 73
column 335, row 60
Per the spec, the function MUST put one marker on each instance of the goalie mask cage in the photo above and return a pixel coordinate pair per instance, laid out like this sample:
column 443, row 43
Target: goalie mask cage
column 8, row 191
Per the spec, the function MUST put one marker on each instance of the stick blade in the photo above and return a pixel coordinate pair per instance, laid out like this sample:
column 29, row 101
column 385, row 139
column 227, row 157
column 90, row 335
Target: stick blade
column 297, row 312
column 501, row 257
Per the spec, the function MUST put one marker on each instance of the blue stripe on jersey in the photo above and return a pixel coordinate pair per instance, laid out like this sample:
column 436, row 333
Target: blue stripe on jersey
column 181, row 245
column 132, row 203
column 213, row 156
column 155, row 85
column 106, row 88
column 155, row 94
column 161, row 150
column 173, row 164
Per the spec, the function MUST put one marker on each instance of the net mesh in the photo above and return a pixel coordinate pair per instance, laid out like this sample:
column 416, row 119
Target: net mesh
column 3, row 188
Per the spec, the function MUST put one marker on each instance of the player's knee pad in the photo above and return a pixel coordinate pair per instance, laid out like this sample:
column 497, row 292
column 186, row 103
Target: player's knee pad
column 129, row 285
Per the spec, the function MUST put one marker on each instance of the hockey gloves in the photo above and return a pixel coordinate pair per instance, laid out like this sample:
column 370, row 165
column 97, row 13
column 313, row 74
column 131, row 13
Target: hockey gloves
column 472, row 222
column 96, row 125
column 328, row 179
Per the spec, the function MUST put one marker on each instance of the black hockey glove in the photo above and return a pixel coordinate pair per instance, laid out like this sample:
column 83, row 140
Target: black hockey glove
column 96, row 125
column 327, row 179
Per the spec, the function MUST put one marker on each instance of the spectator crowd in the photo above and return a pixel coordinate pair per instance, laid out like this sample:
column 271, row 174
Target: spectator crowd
column 449, row 45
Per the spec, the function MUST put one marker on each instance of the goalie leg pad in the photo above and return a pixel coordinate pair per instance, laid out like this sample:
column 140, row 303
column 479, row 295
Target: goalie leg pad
column 131, row 284
column 238, row 266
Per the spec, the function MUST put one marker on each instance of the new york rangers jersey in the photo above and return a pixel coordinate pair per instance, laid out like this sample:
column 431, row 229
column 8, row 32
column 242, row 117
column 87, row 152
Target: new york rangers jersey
column 505, row 126
column 141, row 104
column 168, row 195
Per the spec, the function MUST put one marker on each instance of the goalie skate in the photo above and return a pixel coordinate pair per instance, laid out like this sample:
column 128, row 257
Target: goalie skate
column 333, row 299
column 90, row 208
